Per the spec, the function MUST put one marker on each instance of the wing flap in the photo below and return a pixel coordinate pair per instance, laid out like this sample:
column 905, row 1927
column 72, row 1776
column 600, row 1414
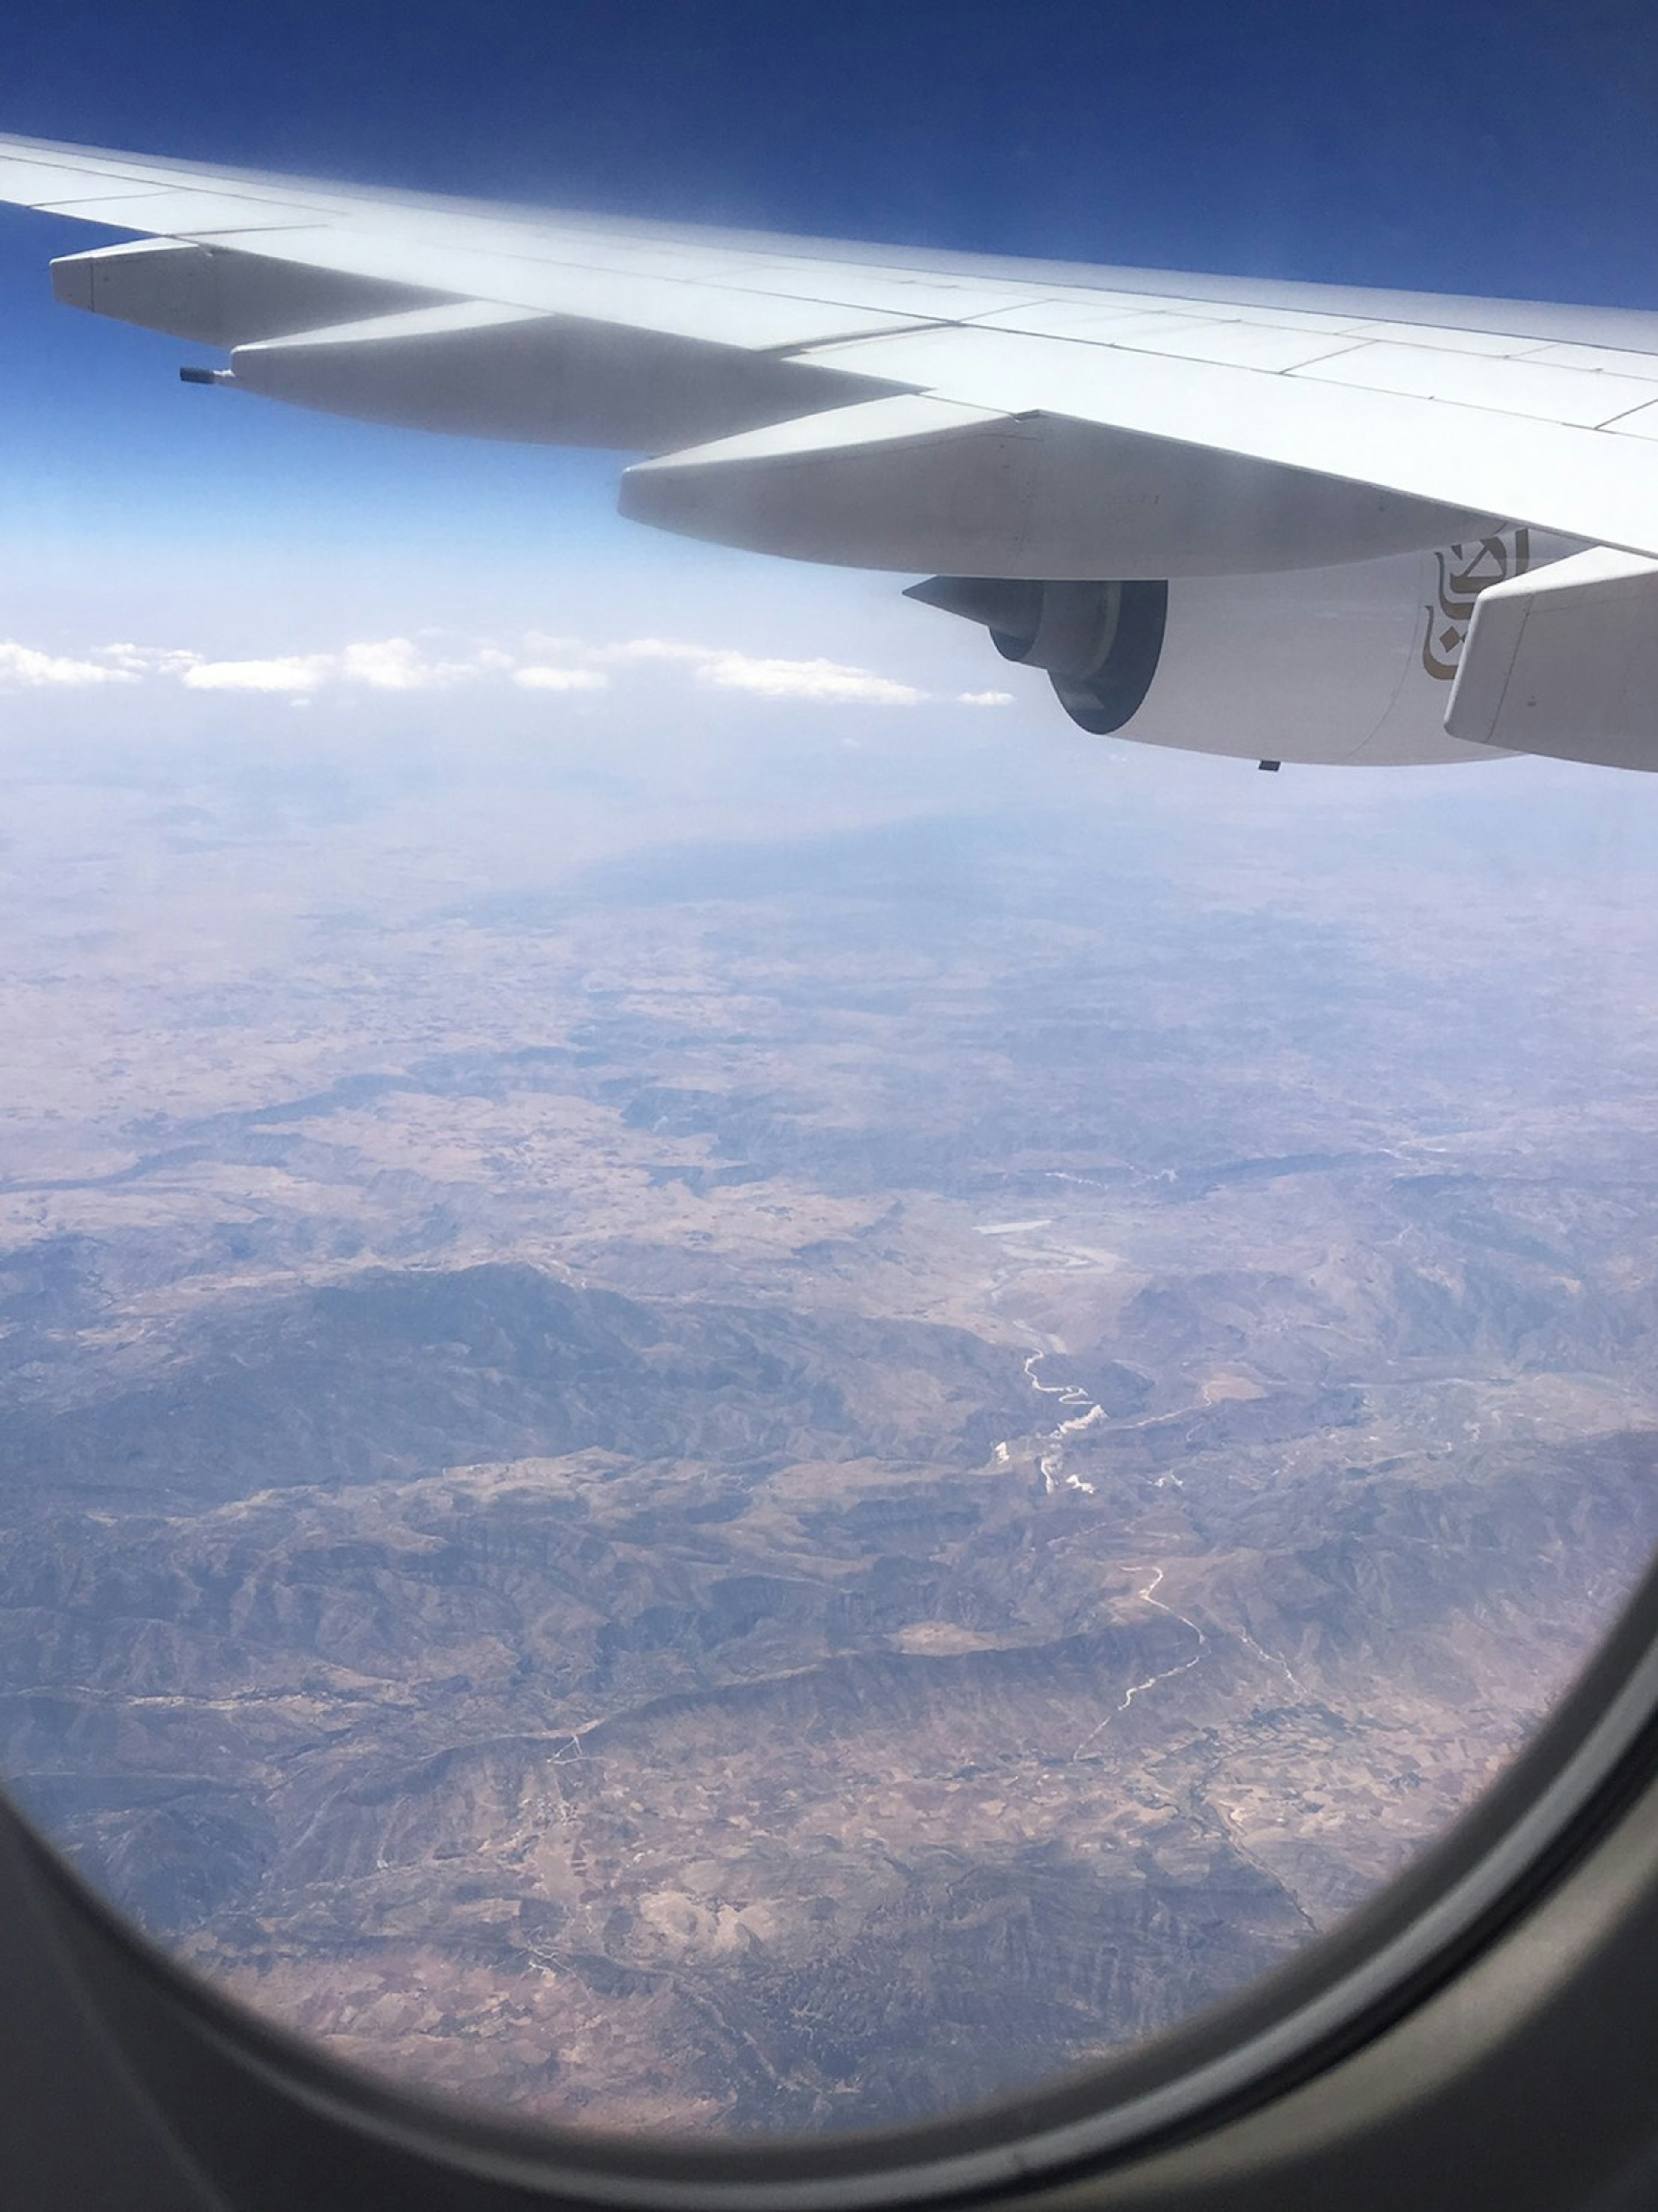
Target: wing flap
column 178, row 215
column 27, row 183
column 678, row 308
column 1547, row 392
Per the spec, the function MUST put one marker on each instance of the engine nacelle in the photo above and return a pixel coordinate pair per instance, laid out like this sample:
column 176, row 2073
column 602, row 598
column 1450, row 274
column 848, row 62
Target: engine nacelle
column 1100, row 643
column 1352, row 664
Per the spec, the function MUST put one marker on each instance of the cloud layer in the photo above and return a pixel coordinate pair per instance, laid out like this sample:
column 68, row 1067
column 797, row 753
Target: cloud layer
column 23, row 667
column 541, row 662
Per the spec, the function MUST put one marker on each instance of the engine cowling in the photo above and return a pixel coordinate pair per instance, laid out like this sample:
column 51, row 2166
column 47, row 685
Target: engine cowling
column 1350, row 663
column 1100, row 643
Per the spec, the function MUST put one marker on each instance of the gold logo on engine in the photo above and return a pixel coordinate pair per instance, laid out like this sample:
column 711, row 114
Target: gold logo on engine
column 1464, row 573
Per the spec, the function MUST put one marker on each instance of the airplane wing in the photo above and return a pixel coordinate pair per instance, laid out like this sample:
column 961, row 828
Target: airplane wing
column 901, row 409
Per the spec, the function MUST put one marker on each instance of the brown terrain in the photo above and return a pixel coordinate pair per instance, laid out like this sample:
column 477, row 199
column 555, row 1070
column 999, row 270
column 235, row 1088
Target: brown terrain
column 774, row 1487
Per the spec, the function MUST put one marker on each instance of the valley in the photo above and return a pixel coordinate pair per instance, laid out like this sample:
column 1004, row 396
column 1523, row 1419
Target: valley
column 777, row 1500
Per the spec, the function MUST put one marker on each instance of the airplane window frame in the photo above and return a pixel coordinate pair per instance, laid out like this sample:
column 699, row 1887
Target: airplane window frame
column 229, row 2087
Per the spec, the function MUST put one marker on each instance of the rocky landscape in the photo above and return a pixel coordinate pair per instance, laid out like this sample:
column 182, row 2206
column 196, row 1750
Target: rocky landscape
column 790, row 1484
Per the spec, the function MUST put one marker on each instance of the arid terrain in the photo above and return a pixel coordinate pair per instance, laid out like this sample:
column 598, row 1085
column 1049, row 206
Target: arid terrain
column 773, row 1484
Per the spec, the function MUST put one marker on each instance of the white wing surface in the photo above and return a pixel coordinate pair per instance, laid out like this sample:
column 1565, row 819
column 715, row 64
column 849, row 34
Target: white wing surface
column 884, row 408
column 1510, row 411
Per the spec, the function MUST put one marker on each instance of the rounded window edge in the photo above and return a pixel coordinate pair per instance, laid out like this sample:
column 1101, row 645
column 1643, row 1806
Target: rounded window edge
column 223, row 2080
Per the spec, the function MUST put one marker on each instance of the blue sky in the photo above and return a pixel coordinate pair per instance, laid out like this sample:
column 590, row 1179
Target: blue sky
column 1499, row 147
column 1503, row 148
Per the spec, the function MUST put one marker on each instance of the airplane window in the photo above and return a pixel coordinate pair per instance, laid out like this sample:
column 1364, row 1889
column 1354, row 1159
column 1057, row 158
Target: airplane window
column 747, row 1390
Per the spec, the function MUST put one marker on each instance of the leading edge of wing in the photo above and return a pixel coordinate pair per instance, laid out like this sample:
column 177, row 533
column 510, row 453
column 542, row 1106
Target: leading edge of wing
column 66, row 179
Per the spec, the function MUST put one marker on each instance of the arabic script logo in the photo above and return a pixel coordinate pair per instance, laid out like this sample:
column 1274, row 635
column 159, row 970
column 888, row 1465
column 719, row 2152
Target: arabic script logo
column 1464, row 573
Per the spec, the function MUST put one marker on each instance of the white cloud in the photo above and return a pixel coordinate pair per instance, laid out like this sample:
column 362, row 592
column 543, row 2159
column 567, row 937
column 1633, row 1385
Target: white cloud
column 542, row 663
column 537, row 679
column 984, row 699
column 807, row 679
column 387, row 664
column 24, row 665
column 396, row 664
column 826, row 681
column 541, row 643
column 147, row 659
column 293, row 673
column 657, row 648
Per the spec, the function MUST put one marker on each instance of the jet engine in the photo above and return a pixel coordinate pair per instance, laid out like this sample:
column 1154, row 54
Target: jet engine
column 1100, row 643
column 1356, row 663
